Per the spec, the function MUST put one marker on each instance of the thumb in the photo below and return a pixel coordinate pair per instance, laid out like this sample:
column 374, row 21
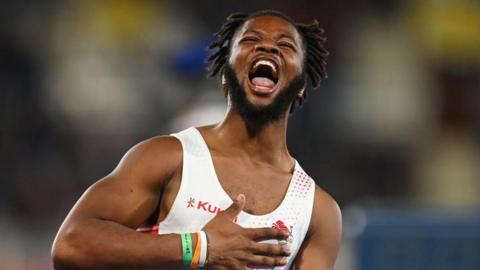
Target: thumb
column 235, row 208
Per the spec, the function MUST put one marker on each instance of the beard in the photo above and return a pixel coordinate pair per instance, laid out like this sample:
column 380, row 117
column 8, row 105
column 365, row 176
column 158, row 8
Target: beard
column 261, row 115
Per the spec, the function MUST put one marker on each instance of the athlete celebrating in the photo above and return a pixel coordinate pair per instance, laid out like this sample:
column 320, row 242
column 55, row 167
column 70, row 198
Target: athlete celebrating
column 225, row 196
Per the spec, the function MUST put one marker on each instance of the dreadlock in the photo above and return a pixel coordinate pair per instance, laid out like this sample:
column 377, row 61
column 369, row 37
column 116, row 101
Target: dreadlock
column 313, row 40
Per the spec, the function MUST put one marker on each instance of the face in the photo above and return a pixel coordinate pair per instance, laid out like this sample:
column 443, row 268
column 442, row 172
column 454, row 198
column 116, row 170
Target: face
column 266, row 57
column 257, row 115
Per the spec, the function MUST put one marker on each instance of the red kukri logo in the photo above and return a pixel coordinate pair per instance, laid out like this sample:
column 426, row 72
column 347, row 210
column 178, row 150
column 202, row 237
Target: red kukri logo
column 280, row 225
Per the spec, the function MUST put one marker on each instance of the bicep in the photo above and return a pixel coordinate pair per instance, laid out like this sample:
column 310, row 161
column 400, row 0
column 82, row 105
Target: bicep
column 114, row 198
column 130, row 194
column 320, row 248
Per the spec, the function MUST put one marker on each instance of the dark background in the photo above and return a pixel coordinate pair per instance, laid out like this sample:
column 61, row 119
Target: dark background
column 396, row 124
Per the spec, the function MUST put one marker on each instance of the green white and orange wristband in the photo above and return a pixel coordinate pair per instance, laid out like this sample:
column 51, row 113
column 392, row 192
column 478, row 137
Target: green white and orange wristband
column 197, row 257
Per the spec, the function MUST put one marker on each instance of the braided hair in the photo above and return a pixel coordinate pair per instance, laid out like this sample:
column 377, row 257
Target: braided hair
column 313, row 40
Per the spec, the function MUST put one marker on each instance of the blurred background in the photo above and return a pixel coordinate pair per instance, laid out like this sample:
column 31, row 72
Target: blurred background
column 393, row 134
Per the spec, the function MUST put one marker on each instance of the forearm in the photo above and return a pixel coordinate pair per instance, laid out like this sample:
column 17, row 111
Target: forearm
column 101, row 244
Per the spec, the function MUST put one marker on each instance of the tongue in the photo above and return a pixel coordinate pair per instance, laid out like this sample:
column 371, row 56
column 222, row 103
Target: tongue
column 262, row 81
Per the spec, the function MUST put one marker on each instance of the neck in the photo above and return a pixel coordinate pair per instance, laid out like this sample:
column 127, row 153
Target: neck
column 265, row 143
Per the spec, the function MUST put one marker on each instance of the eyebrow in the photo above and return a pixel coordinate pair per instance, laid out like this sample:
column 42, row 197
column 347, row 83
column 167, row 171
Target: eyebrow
column 283, row 35
column 253, row 31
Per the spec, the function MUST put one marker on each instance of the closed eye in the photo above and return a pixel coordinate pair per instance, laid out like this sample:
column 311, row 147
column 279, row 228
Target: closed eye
column 249, row 39
column 287, row 45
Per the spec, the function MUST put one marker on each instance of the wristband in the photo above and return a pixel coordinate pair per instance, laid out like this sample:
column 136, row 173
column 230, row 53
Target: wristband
column 203, row 251
column 186, row 248
column 196, row 254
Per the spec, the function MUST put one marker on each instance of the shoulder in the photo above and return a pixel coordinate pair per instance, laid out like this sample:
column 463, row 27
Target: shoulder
column 326, row 214
column 320, row 247
column 161, row 148
column 155, row 147
column 153, row 159
column 324, row 205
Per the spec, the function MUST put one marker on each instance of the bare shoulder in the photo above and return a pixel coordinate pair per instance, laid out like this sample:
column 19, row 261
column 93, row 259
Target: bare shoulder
column 320, row 248
column 155, row 148
column 153, row 159
column 326, row 214
column 130, row 193
column 325, row 203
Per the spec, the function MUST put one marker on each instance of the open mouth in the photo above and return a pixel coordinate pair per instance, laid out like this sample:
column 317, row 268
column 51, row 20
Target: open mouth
column 263, row 75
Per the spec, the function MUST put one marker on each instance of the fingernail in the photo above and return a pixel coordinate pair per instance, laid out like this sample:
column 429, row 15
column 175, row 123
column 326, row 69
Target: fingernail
column 286, row 248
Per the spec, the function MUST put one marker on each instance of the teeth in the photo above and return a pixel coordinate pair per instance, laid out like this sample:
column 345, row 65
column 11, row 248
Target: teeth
column 267, row 63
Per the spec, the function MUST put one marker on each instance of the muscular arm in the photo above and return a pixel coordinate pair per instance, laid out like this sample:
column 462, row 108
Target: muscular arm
column 320, row 248
column 99, row 232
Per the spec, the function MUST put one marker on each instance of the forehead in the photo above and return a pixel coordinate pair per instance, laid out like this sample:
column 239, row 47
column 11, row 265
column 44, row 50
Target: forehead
column 269, row 24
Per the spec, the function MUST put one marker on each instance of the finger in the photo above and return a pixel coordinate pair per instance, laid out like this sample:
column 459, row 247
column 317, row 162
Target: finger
column 259, row 261
column 259, row 234
column 271, row 249
column 235, row 208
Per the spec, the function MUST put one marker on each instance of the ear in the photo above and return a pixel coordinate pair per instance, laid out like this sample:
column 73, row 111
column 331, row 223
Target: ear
column 224, row 81
column 302, row 91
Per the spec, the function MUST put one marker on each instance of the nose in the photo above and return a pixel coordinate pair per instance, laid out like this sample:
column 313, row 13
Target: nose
column 266, row 47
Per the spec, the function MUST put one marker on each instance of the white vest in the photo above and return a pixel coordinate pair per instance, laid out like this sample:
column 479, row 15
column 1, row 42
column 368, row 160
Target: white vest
column 201, row 196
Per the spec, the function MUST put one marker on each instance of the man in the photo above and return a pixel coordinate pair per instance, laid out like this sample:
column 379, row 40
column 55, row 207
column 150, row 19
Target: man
column 230, row 191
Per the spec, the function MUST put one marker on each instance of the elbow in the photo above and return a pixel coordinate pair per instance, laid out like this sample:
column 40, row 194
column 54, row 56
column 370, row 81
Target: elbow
column 60, row 259
column 62, row 256
column 66, row 253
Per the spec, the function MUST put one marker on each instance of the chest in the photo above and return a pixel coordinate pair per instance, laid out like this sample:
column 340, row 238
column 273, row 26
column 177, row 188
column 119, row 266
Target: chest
column 263, row 186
